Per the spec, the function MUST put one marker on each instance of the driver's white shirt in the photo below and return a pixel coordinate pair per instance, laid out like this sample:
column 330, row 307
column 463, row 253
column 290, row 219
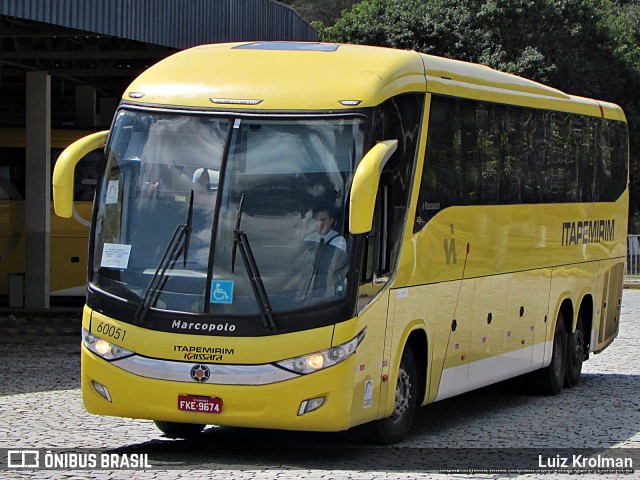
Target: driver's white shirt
column 337, row 240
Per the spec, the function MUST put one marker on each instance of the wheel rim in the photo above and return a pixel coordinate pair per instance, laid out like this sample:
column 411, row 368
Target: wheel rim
column 403, row 395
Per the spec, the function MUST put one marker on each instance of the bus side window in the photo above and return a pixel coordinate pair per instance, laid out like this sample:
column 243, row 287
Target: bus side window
column 398, row 118
column 375, row 267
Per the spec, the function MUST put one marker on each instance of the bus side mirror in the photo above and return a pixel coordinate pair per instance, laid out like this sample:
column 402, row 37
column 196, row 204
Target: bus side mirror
column 362, row 201
column 64, row 170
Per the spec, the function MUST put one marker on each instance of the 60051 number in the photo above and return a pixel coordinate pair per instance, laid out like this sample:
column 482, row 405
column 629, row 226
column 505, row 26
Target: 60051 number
column 111, row 331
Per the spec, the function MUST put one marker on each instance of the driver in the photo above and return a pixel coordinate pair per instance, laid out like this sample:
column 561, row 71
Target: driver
column 328, row 257
column 324, row 232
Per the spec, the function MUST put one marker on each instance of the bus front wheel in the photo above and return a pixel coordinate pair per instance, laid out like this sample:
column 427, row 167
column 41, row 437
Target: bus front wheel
column 394, row 428
column 179, row 430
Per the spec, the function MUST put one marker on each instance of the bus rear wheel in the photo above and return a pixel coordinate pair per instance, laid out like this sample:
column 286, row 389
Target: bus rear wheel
column 391, row 430
column 179, row 430
column 550, row 379
column 575, row 355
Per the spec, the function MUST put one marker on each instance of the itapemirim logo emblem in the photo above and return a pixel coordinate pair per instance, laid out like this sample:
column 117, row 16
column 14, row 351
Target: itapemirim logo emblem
column 200, row 373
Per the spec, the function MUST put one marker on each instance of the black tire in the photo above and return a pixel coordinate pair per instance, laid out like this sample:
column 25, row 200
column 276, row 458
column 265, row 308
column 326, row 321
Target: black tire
column 179, row 430
column 550, row 380
column 575, row 355
column 391, row 430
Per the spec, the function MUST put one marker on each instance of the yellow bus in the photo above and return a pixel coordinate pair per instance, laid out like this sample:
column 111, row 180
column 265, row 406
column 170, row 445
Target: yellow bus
column 317, row 237
column 68, row 242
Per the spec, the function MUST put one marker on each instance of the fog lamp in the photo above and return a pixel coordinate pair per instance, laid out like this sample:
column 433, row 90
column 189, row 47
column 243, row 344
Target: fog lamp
column 101, row 389
column 310, row 405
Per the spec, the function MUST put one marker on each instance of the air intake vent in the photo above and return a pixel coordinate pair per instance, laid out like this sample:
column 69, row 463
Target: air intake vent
column 294, row 46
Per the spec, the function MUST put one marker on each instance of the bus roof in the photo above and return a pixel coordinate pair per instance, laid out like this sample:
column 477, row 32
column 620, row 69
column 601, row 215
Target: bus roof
column 294, row 76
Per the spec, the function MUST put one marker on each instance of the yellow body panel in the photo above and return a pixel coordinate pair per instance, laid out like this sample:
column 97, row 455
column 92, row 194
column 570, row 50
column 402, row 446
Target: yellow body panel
column 509, row 238
column 372, row 359
column 517, row 260
column 322, row 79
column 68, row 247
column 68, row 241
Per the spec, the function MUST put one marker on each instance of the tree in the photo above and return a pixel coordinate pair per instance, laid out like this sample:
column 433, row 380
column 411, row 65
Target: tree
column 324, row 11
column 583, row 47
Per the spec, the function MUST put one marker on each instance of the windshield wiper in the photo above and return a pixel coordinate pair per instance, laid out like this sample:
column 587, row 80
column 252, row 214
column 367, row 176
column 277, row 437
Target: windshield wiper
column 179, row 244
column 257, row 285
column 187, row 230
column 237, row 229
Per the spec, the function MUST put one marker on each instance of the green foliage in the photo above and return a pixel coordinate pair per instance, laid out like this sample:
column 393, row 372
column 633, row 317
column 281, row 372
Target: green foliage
column 407, row 24
column 320, row 11
column 546, row 40
column 584, row 47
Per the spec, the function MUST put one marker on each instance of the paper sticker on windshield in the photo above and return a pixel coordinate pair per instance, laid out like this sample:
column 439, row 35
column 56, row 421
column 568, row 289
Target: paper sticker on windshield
column 115, row 255
column 112, row 192
column 221, row 291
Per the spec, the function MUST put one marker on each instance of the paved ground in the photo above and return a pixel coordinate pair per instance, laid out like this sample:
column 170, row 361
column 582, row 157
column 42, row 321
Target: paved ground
column 41, row 407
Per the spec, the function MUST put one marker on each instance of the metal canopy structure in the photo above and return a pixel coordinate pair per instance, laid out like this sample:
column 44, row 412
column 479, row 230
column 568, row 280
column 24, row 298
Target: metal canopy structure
column 107, row 43
column 172, row 23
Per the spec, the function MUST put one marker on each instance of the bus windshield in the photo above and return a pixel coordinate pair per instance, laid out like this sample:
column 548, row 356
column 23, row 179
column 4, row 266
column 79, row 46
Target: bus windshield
column 202, row 213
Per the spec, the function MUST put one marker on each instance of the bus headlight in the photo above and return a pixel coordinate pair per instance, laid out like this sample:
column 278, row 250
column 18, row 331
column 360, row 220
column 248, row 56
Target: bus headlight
column 313, row 362
column 102, row 348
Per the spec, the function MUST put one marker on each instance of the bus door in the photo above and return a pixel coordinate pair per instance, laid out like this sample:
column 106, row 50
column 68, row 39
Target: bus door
column 375, row 275
column 399, row 118
column 610, row 307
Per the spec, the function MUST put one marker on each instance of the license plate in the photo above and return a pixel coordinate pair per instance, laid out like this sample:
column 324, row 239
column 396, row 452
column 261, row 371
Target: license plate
column 194, row 403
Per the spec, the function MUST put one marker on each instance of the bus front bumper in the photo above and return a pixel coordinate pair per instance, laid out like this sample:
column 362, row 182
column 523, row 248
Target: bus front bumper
column 271, row 405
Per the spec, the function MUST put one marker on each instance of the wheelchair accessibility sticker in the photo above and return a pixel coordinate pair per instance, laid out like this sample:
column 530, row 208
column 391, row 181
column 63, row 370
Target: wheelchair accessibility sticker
column 221, row 291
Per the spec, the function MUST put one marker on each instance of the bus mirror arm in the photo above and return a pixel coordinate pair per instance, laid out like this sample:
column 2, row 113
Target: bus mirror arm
column 63, row 172
column 366, row 180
